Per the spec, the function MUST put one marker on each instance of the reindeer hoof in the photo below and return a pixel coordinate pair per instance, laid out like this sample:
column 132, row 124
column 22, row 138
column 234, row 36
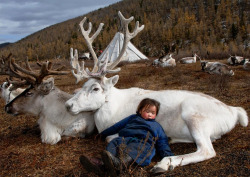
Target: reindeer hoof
column 171, row 167
column 157, row 170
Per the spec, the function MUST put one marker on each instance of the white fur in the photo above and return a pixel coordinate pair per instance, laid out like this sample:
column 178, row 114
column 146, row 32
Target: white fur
column 167, row 61
column 188, row 60
column 48, row 102
column 185, row 116
column 8, row 95
column 85, row 55
column 238, row 59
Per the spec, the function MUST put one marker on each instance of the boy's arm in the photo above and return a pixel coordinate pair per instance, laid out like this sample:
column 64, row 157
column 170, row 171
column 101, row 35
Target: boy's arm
column 162, row 146
column 116, row 127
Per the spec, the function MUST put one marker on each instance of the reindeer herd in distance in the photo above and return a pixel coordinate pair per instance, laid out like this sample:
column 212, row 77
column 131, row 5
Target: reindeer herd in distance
column 209, row 67
column 195, row 117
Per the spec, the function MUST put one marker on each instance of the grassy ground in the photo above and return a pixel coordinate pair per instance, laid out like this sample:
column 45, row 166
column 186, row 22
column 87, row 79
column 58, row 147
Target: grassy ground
column 23, row 154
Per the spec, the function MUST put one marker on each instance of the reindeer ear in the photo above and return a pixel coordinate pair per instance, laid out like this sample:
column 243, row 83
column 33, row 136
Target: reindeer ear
column 46, row 86
column 50, row 81
column 109, row 82
column 114, row 79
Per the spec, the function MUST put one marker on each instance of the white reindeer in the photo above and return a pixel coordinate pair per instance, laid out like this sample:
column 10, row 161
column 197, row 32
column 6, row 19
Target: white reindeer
column 216, row 68
column 188, row 60
column 166, row 61
column 45, row 100
column 85, row 56
column 235, row 60
column 161, row 59
column 7, row 93
column 185, row 116
column 170, row 62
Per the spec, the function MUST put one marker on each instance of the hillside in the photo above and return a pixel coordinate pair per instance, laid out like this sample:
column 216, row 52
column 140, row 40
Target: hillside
column 4, row 44
column 213, row 28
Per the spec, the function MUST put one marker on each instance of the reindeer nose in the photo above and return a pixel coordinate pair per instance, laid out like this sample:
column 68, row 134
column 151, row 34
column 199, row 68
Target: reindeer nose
column 68, row 106
column 7, row 109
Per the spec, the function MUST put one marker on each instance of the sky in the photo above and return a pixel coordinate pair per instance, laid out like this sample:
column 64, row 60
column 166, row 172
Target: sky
column 20, row 18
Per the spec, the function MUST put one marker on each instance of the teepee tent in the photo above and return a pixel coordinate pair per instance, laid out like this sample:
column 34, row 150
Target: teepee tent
column 132, row 54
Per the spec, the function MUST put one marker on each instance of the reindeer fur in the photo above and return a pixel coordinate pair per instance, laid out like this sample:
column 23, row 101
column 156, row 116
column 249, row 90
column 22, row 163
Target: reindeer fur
column 185, row 116
column 48, row 102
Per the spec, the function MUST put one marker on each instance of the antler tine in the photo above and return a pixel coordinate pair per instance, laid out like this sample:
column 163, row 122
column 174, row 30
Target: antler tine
column 101, row 69
column 16, row 84
column 28, row 72
column 47, row 70
column 73, row 58
column 127, row 36
column 28, row 78
column 125, row 23
column 36, row 78
column 89, row 40
column 6, row 68
column 80, row 72
column 27, row 64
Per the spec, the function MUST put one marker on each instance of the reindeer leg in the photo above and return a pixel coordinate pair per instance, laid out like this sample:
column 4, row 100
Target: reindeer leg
column 50, row 134
column 204, row 151
column 77, row 129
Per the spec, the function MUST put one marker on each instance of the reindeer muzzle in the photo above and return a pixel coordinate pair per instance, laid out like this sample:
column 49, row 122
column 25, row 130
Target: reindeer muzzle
column 8, row 106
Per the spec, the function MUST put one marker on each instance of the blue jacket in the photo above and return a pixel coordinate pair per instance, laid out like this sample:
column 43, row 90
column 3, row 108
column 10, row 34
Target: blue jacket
column 134, row 129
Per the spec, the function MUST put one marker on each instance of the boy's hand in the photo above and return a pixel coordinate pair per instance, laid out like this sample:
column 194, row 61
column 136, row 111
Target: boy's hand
column 98, row 136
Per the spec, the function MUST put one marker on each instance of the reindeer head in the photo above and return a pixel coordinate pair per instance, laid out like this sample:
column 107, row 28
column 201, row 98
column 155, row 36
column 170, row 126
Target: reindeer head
column 25, row 76
column 203, row 65
column 95, row 91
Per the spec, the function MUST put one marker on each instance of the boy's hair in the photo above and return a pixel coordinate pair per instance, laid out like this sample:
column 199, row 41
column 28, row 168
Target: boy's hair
column 148, row 102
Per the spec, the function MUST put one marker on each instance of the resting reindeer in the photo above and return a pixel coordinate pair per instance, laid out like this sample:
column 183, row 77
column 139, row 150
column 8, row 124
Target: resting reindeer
column 161, row 59
column 185, row 116
column 45, row 100
column 188, row 60
column 236, row 60
column 216, row 68
column 85, row 56
column 166, row 61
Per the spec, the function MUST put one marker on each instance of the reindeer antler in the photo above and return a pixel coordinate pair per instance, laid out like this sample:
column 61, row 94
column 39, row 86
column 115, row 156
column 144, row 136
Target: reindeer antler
column 127, row 36
column 26, row 75
column 89, row 40
column 33, row 77
column 100, row 69
column 6, row 67
column 85, row 73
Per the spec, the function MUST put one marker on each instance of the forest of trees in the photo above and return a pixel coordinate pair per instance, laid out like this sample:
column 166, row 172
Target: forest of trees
column 212, row 28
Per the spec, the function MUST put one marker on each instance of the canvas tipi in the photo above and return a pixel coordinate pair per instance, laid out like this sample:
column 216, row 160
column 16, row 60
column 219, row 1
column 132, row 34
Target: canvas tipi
column 132, row 54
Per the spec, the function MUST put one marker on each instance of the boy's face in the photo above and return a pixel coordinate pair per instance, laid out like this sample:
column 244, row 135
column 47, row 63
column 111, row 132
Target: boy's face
column 148, row 112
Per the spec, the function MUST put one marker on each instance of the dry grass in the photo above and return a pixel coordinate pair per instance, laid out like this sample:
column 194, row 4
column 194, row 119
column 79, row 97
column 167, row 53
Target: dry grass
column 23, row 154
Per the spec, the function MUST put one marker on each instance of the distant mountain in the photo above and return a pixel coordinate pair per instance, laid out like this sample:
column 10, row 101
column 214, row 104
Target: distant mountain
column 210, row 28
column 4, row 44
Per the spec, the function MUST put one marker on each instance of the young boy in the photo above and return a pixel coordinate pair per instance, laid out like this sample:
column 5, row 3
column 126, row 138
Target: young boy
column 141, row 135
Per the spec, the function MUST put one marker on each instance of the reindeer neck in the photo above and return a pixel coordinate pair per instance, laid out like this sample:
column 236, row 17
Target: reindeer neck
column 117, row 107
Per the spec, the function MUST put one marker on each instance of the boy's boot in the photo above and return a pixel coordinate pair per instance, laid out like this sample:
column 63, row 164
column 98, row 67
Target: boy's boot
column 110, row 162
column 94, row 165
column 126, row 161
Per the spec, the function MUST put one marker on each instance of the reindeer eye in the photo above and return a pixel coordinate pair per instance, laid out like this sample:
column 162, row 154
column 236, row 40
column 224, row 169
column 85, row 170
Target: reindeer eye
column 96, row 89
column 29, row 94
